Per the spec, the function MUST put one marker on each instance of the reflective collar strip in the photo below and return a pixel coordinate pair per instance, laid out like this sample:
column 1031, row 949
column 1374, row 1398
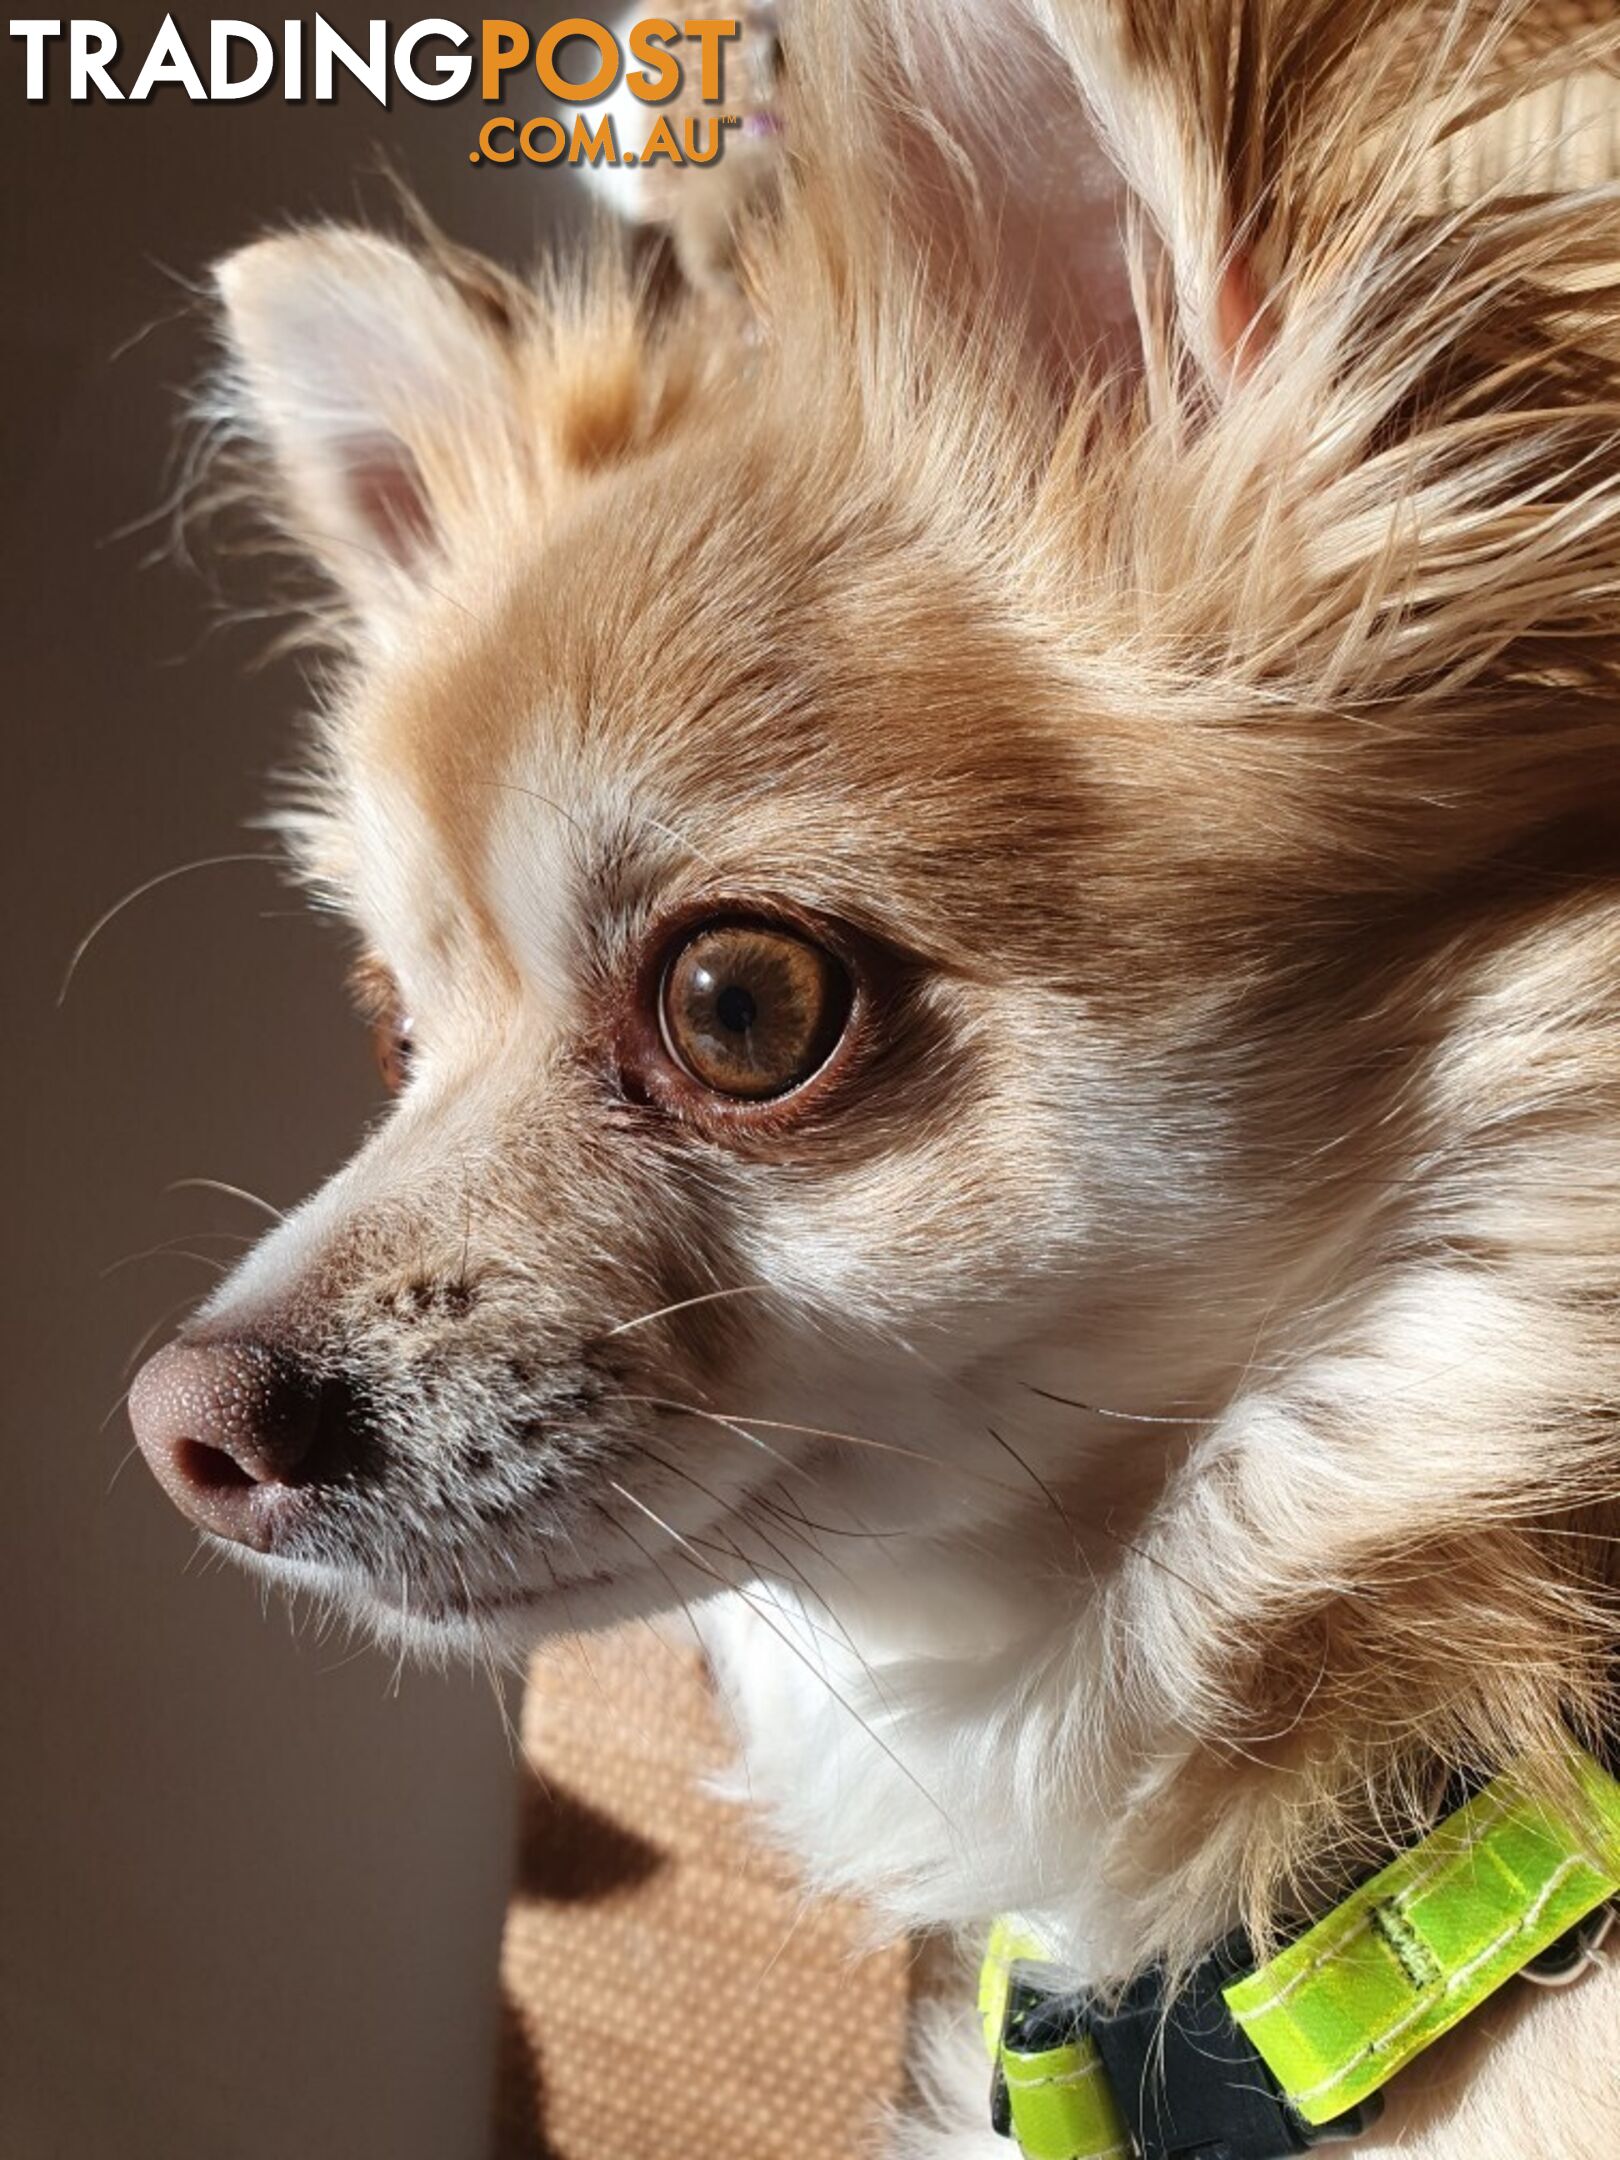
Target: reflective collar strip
column 1379, row 1979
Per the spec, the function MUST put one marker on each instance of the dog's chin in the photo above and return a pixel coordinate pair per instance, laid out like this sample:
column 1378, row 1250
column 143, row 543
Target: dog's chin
column 434, row 1623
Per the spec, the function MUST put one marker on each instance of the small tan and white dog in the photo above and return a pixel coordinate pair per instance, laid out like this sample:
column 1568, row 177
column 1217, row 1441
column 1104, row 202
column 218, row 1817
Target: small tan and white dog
column 994, row 907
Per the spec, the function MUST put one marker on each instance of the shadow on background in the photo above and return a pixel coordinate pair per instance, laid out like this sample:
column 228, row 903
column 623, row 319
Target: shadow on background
column 252, row 1892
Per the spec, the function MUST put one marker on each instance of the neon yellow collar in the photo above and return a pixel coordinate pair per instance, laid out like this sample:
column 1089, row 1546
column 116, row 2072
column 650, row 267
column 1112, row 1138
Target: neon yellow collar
column 1252, row 2064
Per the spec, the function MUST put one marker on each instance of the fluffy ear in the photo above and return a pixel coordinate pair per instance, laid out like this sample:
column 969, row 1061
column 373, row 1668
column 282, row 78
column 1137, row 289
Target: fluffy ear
column 1198, row 101
column 1274, row 143
column 1000, row 151
column 379, row 385
column 1010, row 154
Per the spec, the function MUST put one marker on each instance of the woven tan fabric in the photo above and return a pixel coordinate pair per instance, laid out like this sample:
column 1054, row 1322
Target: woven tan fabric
column 669, row 1994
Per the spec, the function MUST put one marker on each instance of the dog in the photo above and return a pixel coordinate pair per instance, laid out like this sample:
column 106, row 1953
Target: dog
column 988, row 878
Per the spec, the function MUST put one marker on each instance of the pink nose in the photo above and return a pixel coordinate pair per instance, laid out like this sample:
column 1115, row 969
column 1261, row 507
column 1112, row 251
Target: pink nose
column 233, row 1430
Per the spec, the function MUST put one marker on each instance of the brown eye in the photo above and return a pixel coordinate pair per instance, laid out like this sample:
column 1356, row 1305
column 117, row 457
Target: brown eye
column 750, row 1010
column 391, row 1041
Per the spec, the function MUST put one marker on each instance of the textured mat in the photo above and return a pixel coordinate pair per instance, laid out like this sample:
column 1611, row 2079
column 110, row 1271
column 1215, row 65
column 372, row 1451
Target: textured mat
column 668, row 1993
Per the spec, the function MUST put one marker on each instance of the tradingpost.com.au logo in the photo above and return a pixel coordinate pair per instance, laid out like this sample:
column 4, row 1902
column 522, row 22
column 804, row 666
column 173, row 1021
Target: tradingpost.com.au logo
column 656, row 61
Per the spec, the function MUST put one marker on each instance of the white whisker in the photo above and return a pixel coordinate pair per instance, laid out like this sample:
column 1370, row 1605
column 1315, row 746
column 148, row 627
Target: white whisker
column 232, row 1192
column 139, row 892
column 664, row 1312
column 797, row 1649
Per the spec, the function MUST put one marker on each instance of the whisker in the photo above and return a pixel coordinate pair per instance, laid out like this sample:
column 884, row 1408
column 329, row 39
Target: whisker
column 663, row 1312
column 232, row 1192
column 714, row 1417
column 786, row 1640
column 744, row 1514
column 671, row 832
column 139, row 892
column 653, row 1562
column 511, row 787
column 792, row 1929
column 1104, row 1529
column 362, row 1648
column 795, row 1573
column 405, row 1612
column 140, row 1349
column 1125, row 1417
column 124, row 1462
column 821, row 1432
column 483, row 1652
column 823, row 1529
column 166, row 1252
column 1052, row 1499
column 112, row 1413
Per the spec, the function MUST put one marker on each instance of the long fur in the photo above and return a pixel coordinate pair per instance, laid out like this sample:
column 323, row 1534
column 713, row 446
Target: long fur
column 1225, row 740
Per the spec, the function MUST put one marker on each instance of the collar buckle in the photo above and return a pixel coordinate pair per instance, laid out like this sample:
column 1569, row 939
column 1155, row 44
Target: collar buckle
column 1187, row 2081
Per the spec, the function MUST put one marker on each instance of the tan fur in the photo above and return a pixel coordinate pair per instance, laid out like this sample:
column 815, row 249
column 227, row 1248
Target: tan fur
column 1227, row 752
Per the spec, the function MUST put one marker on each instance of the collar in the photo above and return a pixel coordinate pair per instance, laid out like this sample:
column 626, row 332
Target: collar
column 1255, row 2062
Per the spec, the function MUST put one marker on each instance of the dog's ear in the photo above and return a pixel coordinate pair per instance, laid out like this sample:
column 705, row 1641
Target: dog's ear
column 1376, row 495
column 1273, row 144
column 1217, row 113
column 1266, row 145
column 1035, row 164
column 378, row 384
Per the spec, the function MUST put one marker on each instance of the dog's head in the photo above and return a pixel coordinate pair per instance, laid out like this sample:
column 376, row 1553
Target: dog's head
column 778, row 986
column 957, row 944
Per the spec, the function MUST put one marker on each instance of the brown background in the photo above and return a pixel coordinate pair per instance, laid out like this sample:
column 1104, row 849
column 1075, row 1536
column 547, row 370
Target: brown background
column 250, row 1893
column 253, row 1884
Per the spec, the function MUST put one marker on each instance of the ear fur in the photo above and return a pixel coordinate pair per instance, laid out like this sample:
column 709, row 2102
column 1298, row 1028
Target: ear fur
column 412, row 406
column 1269, row 141
column 1264, row 144
column 381, row 385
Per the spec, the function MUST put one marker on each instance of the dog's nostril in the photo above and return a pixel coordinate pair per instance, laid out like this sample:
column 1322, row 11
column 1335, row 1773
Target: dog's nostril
column 210, row 1469
column 236, row 1429
column 341, row 1441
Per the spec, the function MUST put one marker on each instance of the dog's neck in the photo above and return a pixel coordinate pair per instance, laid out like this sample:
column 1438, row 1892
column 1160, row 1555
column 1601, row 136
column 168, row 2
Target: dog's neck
column 939, row 1744
column 943, row 1752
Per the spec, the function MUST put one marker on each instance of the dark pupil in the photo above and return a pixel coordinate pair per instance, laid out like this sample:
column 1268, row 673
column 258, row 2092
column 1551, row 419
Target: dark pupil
column 735, row 1009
